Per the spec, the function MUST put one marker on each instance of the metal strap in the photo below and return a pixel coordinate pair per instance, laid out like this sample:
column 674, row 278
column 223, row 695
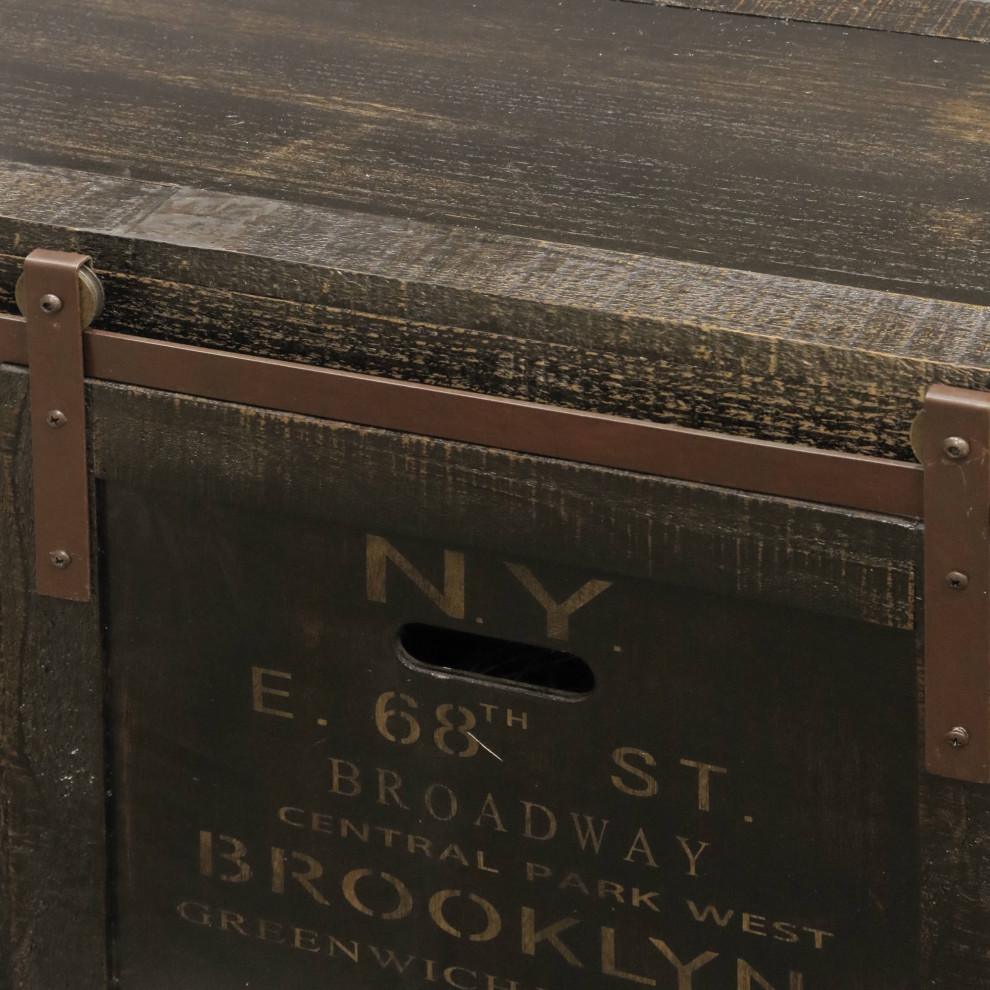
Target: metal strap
column 58, row 424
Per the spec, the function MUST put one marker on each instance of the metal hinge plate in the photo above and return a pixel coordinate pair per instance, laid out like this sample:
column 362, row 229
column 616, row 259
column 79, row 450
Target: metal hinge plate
column 955, row 452
column 52, row 299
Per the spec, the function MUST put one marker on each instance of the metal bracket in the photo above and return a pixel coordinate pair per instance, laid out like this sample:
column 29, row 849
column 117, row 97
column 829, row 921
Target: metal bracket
column 51, row 298
column 955, row 452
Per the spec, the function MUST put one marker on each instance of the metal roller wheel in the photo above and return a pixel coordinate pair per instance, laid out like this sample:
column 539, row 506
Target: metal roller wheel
column 91, row 296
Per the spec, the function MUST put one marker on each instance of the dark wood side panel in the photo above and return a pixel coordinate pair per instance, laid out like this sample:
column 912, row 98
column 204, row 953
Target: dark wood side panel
column 955, row 883
column 53, row 921
column 966, row 20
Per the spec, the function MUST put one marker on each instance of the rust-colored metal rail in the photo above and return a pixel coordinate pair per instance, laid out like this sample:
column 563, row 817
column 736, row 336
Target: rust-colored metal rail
column 849, row 480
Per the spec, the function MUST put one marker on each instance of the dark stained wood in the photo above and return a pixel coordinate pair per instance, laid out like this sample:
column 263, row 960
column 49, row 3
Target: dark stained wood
column 731, row 223
column 53, row 921
column 757, row 355
column 965, row 20
column 833, row 561
column 277, row 578
column 805, row 150
column 955, row 858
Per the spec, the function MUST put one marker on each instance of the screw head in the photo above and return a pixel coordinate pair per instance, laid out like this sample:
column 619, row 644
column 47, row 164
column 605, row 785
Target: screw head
column 57, row 418
column 955, row 448
column 957, row 737
column 957, row 580
column 51, row 304
column 60, row 559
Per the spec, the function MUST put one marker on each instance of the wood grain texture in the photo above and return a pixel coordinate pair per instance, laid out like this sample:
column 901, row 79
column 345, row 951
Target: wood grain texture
column 766, row 356
column 53, row 922
column 804, row 150
column 955, row 883
column 830, row 560
column 720, row 542
column 964, row 20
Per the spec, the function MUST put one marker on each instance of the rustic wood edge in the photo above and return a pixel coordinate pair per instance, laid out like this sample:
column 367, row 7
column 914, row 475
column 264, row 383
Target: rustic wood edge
column 53, row 865
column 962, row 20
column 679, row 336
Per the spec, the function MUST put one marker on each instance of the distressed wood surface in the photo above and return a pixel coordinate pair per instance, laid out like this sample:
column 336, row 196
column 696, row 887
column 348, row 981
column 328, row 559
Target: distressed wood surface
column 53, row 871
column 805, row 150
column 965, row 20
column 831, row 560
column 270, row 486
column 777, row 358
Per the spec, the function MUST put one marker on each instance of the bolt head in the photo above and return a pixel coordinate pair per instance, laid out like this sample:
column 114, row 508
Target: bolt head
column 60, row 559
column 957, row 737
column 955, row 448
column 957, row 580
column 57, row 418
column 51, row 304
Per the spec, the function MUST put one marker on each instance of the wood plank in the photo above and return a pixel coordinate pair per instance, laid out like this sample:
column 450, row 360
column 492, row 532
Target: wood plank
column 856, row 565
column 53, row 920
column 708, row 348
column 249, row 529
column 964, row 20
column 795, row 149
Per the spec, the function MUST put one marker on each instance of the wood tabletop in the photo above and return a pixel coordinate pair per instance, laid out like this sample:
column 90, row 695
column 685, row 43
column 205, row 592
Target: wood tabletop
column 858, row 157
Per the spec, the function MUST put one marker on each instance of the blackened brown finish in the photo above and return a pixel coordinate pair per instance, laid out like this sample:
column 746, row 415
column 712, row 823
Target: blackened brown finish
column 53, row 874
column 227, row 148
column 966, row 20
column 805, row 150
column 735, row 352
column 673, row 552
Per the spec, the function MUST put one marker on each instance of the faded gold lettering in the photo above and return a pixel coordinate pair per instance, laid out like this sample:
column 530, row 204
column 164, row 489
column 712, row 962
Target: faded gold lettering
column 346, row 784
column 558, row 613
column 819, row 935
column 490, row 810
column 466, row 722
column 313, row 871
column 746, row 976
column 693, row 857
column 232, row 921
column 405, row 899
column 311, row 940
column 428, row 800
column 450, row 601
column 609, row 967
column 284, row 813
column 705, row 770
column 270, row 931
column 389, row 783
column 754, row 924
column 195, row 913
column 549, row 829
column 236, row 857
column 641, row 847
column 685, row 971
column 531, row 937
column 494, row 920
column 648, row 785
column 259, row 691
column 448, row 975
column 590, row 831
column 383, row 713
